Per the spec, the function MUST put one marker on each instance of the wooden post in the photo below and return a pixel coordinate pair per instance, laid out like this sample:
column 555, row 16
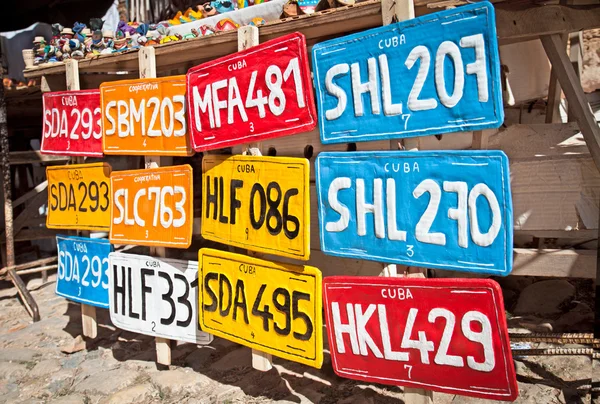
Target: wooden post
column 554, row 93
column 88, row 313
column 147, row 66
column 247, row 38
column 392, row 11
column 576, row 57
column 576, row 98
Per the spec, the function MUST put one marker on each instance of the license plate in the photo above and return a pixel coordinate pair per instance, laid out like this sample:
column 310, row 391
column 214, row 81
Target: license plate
column 444, row 209
column 72, row 123
column 445, row 335
column 145, row 117
column 260, row 93
column 257, row 203
column 82, row 274
column 271, row 307
column 152, row 207
column 156, row 296
column 434, row 74
column 79, row 196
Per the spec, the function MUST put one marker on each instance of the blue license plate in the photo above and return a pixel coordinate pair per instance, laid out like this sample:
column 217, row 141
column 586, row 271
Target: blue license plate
column 434, row 74
column 435, row 209
column 83, row 269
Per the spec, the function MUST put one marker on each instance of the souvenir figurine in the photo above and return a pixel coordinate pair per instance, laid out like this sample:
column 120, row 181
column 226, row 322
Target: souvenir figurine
column 65, row 35
column 39, row 45
column 206, row 30
column 56, row 29
column 151, row 36
column 77, row 30
column 223, row 6
column 108, row 38
column 226, row 24
column 257, row 21
column 121, row 40
column 76, row 49
column 209, row 10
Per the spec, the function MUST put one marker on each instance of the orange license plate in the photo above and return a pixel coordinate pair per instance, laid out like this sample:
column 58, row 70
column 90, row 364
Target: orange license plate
column 152, row 207
column 145, row 117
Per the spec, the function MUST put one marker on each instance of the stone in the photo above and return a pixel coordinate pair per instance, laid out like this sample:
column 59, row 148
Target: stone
column 530, row 323
column 70, row 399
column 18, row 355
column 107, row 381
column 45, row 368
column 545, row 297
column 10, row 369
column 179, row 380
column 133, row 394
column 78, row 344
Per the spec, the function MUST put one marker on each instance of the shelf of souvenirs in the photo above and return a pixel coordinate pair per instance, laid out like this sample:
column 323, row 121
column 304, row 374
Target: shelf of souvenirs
column 516, row 20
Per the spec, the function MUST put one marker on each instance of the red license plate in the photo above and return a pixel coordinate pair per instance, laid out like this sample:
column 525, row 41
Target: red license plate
column 260, row 93
column 446, row 335
column 72, row 123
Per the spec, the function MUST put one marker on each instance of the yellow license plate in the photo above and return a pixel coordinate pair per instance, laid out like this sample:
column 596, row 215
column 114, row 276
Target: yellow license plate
column 79, row 196
column 271, row 307
column 258, row 203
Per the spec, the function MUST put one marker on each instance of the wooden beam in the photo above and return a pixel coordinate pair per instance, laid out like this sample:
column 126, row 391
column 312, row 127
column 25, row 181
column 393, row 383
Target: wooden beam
column 559, row 263
column 34, row 157
column 30, row 194
column 554, row 93
column 576, row 98
column 29, row 211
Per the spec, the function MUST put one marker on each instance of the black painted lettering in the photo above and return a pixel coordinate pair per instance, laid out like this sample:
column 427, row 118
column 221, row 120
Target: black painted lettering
column 240, row 304
column 211, row 276
column 145, row 289
column 167, row 298
column 118, row 289
column 132, row 314
column 211, row 198
column 62, row 201
column 222, row 217
column 72, row 200
column 223, row 280
column 234, row 203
